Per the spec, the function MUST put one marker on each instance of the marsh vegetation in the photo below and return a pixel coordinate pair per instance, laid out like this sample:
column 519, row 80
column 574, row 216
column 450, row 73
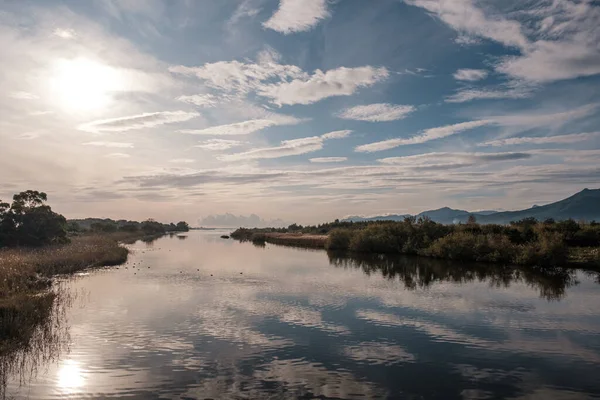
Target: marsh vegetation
column 525, row 242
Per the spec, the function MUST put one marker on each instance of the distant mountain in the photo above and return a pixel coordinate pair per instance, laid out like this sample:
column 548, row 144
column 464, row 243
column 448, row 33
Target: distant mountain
column 584, row 205
column 377, row 218
column 446, row 215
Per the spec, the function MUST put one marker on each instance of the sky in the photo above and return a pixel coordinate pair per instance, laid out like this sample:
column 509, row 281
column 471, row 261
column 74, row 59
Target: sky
column 300, row 110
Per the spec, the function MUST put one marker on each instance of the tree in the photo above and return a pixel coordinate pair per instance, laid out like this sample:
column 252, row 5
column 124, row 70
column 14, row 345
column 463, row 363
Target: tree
column 471, row 220
column 182, row 226
column 29, row 222
column 151, row 227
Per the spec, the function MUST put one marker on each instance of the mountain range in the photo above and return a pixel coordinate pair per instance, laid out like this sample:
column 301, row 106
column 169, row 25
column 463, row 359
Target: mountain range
column 584, row 205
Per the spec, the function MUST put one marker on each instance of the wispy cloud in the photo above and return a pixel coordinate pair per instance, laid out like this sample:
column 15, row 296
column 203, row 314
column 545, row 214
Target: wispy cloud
column 539, row 119
column 287, row 148
column 201, row 100
column 240, row 77
column 465, row 17
column 147, row 120
column 470, row 75
column 452, row 160
column 557, row 40
column 280, row 83
column 219, row 144
column 243, row 128
column 64, row 33
column 182, row 161
column 379, row 112
column 297, row 15
column 110, row 144
column 244, row 10
column 337, row 82
column 23, row 96
column 118, row 155
column 558, row 139
column 425, row 136
column 337, row 134
column 493, row 93
column 328, row 159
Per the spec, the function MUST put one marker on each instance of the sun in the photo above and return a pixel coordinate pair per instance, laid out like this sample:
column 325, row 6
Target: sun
column 83, row 85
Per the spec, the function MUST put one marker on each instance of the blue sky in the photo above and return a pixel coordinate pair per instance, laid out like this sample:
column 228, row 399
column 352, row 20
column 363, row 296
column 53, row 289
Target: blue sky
column 305, row 110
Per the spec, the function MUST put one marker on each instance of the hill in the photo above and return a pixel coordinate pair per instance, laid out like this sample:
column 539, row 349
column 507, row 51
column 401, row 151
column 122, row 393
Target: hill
column 584, row 205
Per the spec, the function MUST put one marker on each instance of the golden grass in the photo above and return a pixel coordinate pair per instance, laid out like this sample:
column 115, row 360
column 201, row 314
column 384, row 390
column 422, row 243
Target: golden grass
column 25, row 270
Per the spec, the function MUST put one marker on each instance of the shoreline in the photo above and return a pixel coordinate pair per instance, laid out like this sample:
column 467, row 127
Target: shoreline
column 29, row 271
column 578, row 257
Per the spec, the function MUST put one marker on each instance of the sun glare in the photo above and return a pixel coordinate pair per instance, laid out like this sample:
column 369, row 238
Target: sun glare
column 83, row 85
column 70, row 376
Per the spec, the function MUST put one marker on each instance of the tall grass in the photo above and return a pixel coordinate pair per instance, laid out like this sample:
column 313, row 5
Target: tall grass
column 28, row 269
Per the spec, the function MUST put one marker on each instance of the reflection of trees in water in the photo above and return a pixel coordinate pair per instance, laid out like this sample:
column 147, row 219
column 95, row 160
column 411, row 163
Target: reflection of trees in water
column 33, row 332
column 182, row 237
column 421, row 272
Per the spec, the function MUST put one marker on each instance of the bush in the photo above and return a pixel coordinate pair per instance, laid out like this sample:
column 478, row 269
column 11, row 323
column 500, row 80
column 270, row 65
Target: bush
column 466, row 246
column 549, row 250
column 339, row 239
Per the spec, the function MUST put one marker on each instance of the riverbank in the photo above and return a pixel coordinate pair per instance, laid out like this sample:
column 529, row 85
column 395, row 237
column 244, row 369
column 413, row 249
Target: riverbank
column 526, row 243
column 27, row 271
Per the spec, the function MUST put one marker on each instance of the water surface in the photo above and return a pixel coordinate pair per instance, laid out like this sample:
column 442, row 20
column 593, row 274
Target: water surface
column 200, row 317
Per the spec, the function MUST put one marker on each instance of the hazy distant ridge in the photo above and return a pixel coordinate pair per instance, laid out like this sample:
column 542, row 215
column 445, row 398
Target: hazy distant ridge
column 584, row 205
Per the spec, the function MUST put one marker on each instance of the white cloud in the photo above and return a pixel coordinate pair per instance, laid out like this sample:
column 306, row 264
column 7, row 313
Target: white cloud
column 245, row 127
column 182, row 161
column 287, row 147
column 120, row 145
column 553, row 61
column 282, row 84
column 236, row 76
column 470, row 75
column 201, row 100
column 23, row 96
column 464, row 17
column 452, row 160
column 297, row 15
column 425, row 136
column 147, row 120
column 532, row 120
column 244, row 10
column 328, row 159
column 558, row 139
column 557, row 40
column 64, row 33
column 219, row 144
column 337, row 134
column 118, row 155
column 515, row 92
column 377, row 112
column 337, row 82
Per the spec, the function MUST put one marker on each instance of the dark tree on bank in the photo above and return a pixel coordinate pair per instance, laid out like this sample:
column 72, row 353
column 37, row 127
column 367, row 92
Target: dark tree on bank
column 28, row 221
column 182, row 226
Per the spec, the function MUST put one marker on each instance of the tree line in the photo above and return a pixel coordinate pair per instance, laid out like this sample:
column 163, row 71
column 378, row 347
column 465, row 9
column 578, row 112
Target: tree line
column 29, row 221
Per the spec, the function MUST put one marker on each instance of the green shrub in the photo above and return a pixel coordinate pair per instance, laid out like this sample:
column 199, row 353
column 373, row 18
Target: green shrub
column 339, row 239
column 549, row 250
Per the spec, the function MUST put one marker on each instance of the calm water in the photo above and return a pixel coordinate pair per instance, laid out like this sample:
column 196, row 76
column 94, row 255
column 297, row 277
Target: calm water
column 202, row 317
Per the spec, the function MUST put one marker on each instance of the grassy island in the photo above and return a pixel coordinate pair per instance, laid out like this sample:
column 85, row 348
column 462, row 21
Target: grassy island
column 526, row 242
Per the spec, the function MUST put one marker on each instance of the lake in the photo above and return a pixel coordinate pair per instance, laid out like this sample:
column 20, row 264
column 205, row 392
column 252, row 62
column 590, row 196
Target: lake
column 200, row 317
